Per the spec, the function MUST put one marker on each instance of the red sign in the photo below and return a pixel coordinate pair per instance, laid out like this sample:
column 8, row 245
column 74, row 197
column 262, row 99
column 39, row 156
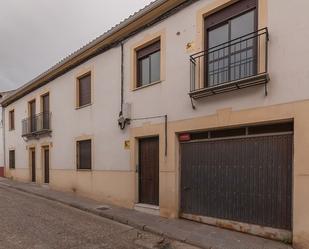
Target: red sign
column 184, row 137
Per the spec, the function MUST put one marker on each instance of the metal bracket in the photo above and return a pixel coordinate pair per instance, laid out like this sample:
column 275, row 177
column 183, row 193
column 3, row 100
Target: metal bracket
column 192, row 104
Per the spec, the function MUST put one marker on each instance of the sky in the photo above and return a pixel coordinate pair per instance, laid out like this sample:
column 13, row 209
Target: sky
column 36, row 34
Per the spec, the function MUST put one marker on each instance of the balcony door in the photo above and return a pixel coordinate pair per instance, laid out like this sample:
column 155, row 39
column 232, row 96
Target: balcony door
column 32, row 111
column 45, row 107
column 230, row 43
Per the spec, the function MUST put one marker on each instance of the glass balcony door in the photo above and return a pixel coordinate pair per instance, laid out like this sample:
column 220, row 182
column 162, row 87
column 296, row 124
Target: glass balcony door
column 231, row 50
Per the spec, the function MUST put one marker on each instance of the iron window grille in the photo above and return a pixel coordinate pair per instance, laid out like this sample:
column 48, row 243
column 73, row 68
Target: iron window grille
column 236, row 64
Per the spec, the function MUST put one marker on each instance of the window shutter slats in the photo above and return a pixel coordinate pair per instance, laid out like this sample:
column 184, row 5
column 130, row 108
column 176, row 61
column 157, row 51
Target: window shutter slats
column 229, row 12
column 84, row 154
column 149, row 50
column 12, row 159
column 85, row 90
column 12, row 120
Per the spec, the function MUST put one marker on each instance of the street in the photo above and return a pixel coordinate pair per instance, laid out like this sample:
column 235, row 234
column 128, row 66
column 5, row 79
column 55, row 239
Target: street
column 28, row 221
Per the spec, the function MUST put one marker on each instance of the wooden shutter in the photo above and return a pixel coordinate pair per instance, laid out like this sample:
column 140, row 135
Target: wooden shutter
column 152, row 48
column 84, row 154
column 45, row 100
column 12, row 120
column 32, row 111
column 229, row 12
column 12, row 159
column 85, row 90
column 45, row 103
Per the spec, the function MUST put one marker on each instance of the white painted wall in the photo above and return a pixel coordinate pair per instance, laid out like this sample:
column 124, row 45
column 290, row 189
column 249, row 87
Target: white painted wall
column 288, row 59
column 289, row 82
column 68, row 123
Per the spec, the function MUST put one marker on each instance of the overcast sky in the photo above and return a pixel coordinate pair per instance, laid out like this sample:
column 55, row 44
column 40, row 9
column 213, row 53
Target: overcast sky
column 36, row 34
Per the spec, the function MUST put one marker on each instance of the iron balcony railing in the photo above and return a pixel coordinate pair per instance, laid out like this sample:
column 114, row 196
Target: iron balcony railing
column 36, row 125
column 239, row 63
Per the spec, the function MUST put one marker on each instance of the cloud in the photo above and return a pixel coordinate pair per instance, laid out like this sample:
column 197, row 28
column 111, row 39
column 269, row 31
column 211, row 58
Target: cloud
column 36, row 34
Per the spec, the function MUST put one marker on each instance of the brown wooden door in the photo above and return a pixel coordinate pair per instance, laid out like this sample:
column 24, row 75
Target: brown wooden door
column 32, row 161
column 46, row 165
column 149, row 171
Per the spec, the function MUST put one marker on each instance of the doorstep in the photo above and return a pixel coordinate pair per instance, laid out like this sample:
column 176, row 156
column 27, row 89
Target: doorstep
column 147, row 208
column 197, row 234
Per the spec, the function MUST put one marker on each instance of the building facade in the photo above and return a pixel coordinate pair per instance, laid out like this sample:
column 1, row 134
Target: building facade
column 192, row 109
column 2, row 140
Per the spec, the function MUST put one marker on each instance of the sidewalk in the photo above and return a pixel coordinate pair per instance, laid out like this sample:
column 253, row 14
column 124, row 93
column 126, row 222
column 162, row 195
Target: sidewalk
column 197, row 234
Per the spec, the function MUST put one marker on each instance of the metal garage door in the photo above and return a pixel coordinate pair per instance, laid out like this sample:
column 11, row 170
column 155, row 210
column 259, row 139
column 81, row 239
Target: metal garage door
column 247, row 179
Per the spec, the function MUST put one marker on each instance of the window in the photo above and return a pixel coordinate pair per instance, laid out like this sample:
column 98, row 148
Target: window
column 12, row 159
column 32, row 117
column 46, row 114
column 84, row 155
column 231, row 43
column 84, row 90
column 148, row 64
column 12, row 120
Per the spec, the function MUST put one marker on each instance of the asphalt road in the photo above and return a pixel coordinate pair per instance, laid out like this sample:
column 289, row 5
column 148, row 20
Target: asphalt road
column 32, row 222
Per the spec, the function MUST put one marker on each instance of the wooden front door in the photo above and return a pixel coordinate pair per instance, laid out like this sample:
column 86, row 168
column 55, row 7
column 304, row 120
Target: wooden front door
column 46, row 165
column 149, row 171
column 32, row 162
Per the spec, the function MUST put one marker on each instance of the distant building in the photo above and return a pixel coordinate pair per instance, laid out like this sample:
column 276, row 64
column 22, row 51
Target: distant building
column 2, row 96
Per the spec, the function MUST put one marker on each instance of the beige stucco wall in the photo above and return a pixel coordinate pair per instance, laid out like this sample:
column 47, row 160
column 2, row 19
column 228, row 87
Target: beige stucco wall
column 113, row 178
column 97, row 121
column 169, row 166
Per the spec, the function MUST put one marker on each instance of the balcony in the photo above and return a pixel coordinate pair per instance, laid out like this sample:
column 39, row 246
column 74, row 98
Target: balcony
column 36, row 126
column 234, row 65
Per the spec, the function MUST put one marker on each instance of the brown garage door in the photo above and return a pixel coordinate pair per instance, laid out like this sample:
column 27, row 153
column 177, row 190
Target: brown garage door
column 247, row 179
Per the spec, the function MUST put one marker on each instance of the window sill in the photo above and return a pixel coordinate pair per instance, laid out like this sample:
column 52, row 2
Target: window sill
column 151, row 84
column 83, row 106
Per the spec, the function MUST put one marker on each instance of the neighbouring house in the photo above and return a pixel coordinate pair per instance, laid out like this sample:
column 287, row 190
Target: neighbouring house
column 2, row 141
column 193, row 109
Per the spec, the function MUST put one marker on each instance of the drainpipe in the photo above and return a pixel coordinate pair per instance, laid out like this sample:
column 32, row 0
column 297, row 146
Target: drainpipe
column 122, row 120
column 122, row 79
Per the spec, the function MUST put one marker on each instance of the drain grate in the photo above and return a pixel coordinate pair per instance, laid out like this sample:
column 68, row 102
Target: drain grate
column 103, row 208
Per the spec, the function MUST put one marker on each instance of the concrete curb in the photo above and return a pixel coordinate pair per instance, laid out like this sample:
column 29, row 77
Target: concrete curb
column 119, row 219
column 178, row 230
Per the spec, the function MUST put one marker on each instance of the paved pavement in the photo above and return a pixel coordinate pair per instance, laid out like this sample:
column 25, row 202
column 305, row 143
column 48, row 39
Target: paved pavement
column 28, row 221
column 185, row 231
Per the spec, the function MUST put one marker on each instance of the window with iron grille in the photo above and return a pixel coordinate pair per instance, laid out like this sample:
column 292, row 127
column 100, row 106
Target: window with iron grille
column 84, row 90
column 12, row 159
column 84, row 155
column 148, row 64
column 12, row 120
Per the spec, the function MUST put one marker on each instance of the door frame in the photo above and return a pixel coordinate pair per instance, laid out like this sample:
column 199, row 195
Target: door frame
column 137, row 170
column 43, row 148
column 30, row 161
